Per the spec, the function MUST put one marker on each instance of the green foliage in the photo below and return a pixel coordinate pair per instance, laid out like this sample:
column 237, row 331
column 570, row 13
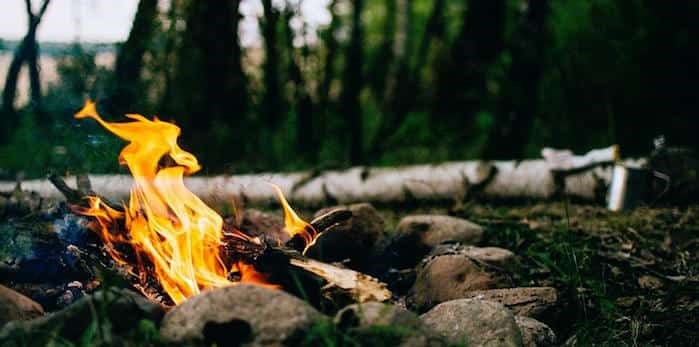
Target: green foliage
column 70, row 147
column 605, row 65
column 325, row 333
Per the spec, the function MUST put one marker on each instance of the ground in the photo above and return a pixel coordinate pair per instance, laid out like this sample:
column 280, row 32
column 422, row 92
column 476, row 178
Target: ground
column 626, row 279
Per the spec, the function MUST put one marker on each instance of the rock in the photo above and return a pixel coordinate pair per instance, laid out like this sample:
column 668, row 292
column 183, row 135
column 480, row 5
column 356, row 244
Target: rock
column 118, row 311
column 267, row 226
column 416, row 235
column 375, row 313
column 353, row 239
column 535, row 333
column 15, row 306
column 398, row 325
column 495, row 256
column 474, row 323
column 434, row 229
column 239, row 314
column 450, row 277
column 533, row 302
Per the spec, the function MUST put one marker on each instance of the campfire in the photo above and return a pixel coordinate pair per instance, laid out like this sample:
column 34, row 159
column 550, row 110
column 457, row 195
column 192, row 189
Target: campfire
column 165, row 236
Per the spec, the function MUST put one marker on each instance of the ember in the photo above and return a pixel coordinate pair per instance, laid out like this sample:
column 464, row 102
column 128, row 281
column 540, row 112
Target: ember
column 167, row 224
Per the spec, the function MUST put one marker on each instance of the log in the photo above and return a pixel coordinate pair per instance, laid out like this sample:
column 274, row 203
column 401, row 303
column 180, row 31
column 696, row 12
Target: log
column 342, row 281
column 558, row 173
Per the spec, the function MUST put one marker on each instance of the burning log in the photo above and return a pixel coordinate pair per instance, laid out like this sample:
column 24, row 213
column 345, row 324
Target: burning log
column 339, row 284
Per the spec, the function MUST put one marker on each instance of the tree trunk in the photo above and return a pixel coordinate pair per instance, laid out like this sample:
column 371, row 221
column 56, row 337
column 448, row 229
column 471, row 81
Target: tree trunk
column 461, row 80
column 400, row 88
column 515, row 117
column 210, row 97
column 303, row 105
column 27, row 51
column 583, row 177
column 130, row 58
column 380, row 62
column 10, row 90
column 272, row 101
column 331, row 47
column 352, row 86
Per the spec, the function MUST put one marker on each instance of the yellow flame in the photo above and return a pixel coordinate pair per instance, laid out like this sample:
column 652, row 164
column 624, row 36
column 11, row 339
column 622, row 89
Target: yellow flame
column 173, row 228
column 293, row 224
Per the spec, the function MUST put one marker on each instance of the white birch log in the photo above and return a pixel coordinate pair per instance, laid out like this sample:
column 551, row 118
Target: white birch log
column 560, row 173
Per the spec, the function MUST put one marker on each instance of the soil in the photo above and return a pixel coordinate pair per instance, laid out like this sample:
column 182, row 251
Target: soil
column 626, row 279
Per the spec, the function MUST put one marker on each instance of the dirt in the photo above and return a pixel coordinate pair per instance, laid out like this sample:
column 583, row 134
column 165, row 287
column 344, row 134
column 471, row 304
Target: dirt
column 626, row 279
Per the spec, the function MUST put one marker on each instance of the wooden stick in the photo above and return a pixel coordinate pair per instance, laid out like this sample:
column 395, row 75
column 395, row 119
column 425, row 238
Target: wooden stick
column 346, row 282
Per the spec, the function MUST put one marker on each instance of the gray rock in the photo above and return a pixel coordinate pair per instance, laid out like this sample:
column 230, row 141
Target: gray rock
column 117, row 311
column 533, row 302
column 475, row 323
column 432, row 230
column 353, row 239
column 401, row 327
column 239, row 314
column 404, row 328
column 375, row 313
column 535, row 333
column 497, row 257
column 450, row 277
column 15, row 306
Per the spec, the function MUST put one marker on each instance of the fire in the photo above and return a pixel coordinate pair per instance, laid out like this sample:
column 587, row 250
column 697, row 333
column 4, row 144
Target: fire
column 178, row 233
column 295, row 225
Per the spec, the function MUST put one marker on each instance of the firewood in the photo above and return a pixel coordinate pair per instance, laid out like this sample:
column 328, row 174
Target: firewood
column 78, row 196
column 339, row 282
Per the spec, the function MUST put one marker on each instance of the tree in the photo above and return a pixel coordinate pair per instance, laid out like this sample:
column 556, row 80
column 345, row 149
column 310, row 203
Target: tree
column 400, row 86
column 352, row 85
column 208, row 94
column 272, row 102
column 518, row 105
column 27, row 52
column 461, row 85
column 306, row 140
column 129, row 61
column 329, row 42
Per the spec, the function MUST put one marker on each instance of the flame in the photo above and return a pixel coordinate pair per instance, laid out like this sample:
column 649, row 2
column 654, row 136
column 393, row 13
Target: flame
column 293, row 224
column 178, row 233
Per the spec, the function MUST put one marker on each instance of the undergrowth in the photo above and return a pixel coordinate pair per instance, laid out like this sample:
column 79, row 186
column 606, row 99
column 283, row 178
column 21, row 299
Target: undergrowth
column 624, row 278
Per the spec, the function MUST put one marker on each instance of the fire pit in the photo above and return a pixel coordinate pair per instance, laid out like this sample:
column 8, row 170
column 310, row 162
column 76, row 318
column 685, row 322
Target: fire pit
column 245, row 279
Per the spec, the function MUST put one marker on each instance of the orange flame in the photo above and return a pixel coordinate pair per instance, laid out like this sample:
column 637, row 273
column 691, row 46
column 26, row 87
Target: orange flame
column 179, row 233
column 295, row 225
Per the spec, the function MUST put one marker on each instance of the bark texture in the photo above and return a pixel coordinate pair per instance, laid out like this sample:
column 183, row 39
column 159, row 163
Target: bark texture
column 581, row 177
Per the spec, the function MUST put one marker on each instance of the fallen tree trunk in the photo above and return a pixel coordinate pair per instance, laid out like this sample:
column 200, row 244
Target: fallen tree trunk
column 558, row 174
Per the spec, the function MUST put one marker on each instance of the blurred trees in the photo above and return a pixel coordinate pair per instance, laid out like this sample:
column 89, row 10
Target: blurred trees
column 129, row 60
column 27, row 53
column 208, row 96
column 398, row 81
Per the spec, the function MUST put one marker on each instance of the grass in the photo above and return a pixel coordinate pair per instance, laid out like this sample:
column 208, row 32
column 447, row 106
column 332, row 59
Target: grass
column 601, row 262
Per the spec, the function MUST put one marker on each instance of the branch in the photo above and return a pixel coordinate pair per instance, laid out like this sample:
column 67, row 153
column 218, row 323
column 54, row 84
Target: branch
column 28, row 5
column 44, row 5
